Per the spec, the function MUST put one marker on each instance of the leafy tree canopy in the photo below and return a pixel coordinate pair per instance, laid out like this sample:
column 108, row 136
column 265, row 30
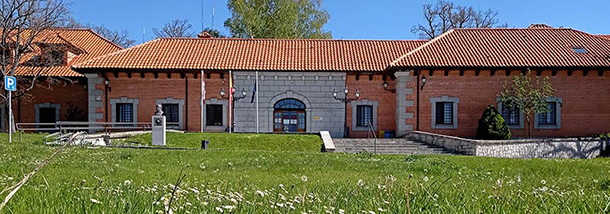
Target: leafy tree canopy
column 287, row 19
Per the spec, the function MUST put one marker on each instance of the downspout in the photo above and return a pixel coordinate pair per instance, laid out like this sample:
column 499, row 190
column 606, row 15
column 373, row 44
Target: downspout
column 186, row 103
column 418, row 89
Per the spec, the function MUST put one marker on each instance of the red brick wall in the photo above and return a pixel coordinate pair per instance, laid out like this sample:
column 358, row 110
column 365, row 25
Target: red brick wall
column 373, row 90
column 585, row 108
column 61, row 92
column 149, row 89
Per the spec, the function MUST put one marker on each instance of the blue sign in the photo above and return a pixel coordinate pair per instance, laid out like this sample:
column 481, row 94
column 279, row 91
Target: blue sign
column 10, row 83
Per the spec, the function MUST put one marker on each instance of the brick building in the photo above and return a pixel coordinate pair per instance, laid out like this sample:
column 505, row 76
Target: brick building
column 57, row 92
column 295, row 79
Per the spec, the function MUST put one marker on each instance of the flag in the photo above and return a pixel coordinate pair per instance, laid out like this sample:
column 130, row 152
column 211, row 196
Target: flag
column 202, row 89
column 253, row 93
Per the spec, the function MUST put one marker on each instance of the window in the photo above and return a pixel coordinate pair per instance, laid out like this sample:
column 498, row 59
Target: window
column 289, row 104
column 171, row 112
column 444, row 113
column 549, row 117
column 511, row 115
column 364, row 115
column 213, row 115
column 124, row 113
column 54, row 57
column 579, row 50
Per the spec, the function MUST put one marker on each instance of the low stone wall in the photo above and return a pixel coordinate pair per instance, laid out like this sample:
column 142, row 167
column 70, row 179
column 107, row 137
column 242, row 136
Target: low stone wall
column 518, row 148
column 454, row 144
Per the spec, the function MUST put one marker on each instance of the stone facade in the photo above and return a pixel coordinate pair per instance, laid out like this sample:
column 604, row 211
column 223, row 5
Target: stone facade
column 314, row 89
column 518, row 148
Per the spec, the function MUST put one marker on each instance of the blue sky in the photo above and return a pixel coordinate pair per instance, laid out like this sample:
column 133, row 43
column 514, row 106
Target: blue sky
column 349, row 19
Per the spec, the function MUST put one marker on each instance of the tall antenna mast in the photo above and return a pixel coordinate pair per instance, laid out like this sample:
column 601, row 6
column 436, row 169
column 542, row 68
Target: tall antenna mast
column 202, row 16
column 143, row 33
column 213, row 13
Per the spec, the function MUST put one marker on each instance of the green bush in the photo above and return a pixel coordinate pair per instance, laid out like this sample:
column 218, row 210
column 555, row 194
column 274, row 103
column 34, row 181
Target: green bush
column 492, row 125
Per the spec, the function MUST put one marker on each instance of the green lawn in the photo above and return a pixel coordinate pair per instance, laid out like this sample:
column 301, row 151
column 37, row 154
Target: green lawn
column 250, row 179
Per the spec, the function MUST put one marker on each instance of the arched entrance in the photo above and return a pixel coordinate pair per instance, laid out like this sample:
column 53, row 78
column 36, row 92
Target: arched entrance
column 289, row 116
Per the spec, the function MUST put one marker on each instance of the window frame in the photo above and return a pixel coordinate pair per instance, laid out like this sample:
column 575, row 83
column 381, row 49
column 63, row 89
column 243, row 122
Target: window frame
column 363, row 102
column 520, row 125
column 558, row 102
column 361, row 115
column 123, row 100
column 118, row 116
column 454, row 117
column 208, row 108
column 214, row 101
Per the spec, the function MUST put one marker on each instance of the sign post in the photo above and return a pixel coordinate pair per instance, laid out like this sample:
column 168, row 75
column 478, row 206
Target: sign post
column 10, row 84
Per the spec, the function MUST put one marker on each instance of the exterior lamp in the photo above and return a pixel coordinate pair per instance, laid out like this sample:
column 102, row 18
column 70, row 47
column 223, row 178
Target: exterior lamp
column 222, row 92
column 385, row 85
column 423, row 82
column 345, row 100
column 107, row 82
column 243, row 92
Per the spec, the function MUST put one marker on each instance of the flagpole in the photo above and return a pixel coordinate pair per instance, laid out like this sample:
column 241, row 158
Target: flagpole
column 202, row 99
column 256, row 84
column 230, row 101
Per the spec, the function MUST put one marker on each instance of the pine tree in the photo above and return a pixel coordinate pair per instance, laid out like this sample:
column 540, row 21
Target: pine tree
column 492, row 125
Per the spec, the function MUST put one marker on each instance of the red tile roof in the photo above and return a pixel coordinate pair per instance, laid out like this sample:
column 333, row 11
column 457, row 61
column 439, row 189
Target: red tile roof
column 256, row 54
column 89, row 44
column 531, row 47
column 604, row 36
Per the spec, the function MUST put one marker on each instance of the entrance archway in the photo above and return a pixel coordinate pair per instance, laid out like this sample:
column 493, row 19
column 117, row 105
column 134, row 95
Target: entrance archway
column 289, row 116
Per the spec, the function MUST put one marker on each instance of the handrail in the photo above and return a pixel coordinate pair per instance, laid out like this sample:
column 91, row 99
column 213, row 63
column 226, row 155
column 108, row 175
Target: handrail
column 371, row 133
column 84, row 125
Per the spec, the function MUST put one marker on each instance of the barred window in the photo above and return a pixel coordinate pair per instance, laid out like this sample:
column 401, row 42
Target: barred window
column 364, row 115
column 213, row 115
column 124, row 113
column 511, row 115
column 444, row 113
column 549, row 117
column 171, row 112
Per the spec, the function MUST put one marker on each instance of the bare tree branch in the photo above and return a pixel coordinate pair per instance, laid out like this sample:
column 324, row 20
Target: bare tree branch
column 175, row 28
column 445, row 16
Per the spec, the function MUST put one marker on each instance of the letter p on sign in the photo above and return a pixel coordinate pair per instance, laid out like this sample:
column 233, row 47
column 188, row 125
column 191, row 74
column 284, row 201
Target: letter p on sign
column 10, row 83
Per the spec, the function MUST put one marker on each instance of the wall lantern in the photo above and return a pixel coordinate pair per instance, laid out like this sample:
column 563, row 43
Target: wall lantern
column 423, row 82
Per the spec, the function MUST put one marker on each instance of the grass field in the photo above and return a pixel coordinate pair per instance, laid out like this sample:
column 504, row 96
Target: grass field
column 281, row 179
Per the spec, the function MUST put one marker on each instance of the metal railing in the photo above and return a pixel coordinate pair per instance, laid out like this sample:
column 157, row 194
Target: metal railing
column 73, row 126
column 371, row 133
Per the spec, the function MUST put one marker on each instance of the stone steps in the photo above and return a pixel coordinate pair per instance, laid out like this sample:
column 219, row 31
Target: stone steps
column 386, row 146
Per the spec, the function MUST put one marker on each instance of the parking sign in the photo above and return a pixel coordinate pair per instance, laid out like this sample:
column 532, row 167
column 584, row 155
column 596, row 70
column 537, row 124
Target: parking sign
column 10, row 83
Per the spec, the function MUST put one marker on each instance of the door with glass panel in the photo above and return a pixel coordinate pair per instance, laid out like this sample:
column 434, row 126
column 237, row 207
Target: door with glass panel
column 289, row 116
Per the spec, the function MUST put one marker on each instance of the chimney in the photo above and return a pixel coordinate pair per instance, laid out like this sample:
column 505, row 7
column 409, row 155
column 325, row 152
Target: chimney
column 205, row 35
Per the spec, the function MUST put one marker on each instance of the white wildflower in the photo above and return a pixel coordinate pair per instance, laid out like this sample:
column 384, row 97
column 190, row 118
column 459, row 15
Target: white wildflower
column 230, row 164
column 543, row 182
column 230, row 208
column 95, row 201
column 304, row 178
column 360, row 182
column 425, row 178
column 219, row 209
column 127, row 182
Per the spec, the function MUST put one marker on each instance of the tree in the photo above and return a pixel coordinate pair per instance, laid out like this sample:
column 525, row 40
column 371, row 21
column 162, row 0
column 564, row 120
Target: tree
column 214, row 33
column 492, row 125
column 120, row 38
column 529, row 96
column 445, row 16
column 288, row 19
column 21, row 23
column 175, row 28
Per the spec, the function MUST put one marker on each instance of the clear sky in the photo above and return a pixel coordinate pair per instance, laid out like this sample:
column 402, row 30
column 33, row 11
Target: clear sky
column 349, row 19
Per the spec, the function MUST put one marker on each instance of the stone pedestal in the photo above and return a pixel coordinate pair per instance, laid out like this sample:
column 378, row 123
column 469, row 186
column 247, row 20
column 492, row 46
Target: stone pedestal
column 158, row 130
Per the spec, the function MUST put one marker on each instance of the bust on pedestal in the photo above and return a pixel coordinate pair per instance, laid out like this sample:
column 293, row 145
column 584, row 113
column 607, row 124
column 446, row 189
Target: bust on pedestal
column 158, row 127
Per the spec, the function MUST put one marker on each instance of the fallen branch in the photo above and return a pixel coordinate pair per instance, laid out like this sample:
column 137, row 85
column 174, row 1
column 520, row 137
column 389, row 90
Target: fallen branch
column 25, row 179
